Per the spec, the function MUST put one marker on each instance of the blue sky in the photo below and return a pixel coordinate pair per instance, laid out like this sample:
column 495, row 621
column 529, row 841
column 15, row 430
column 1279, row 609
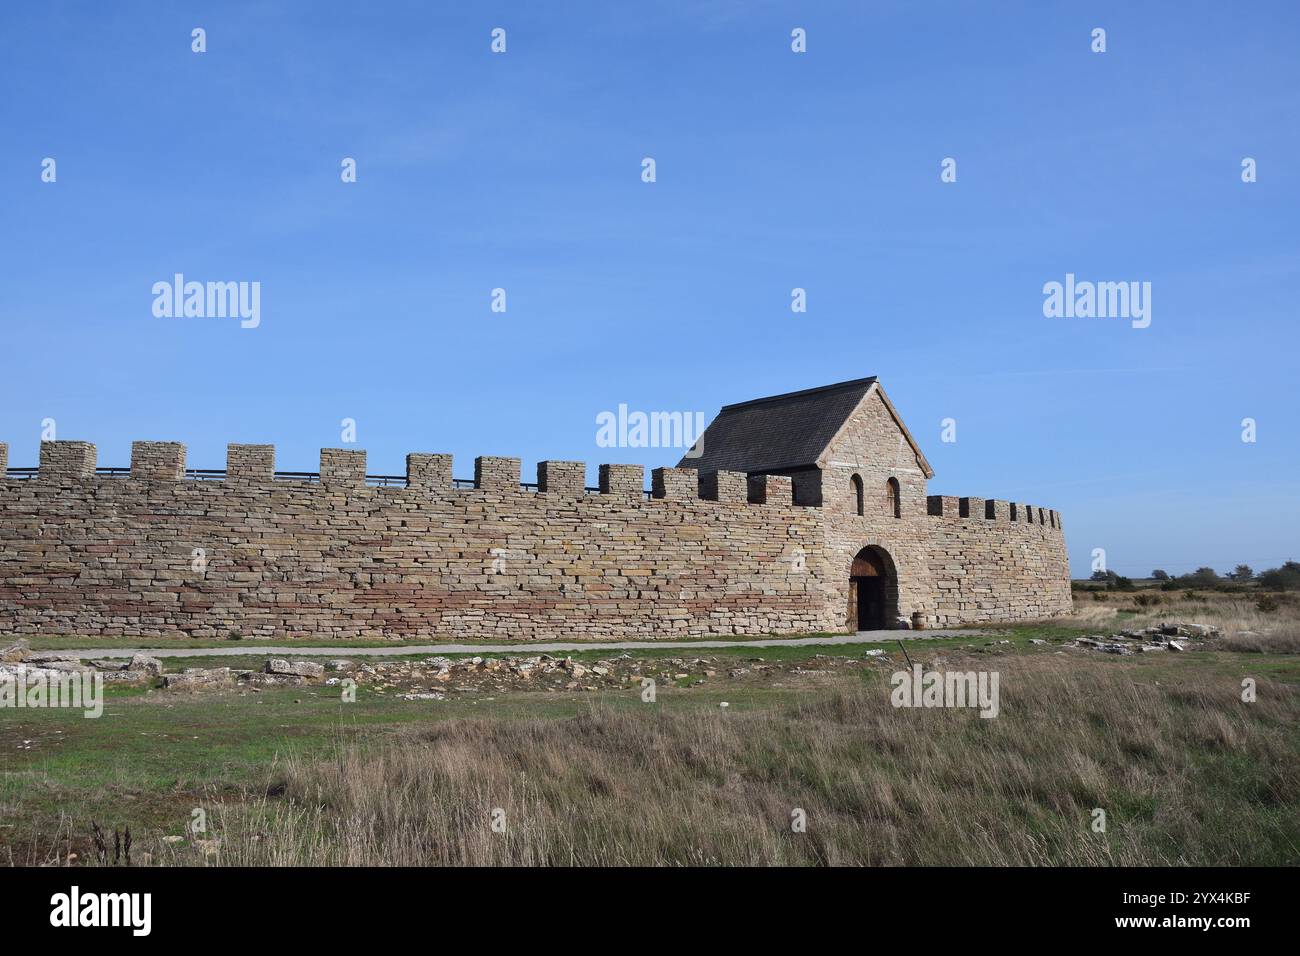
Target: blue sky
column 775, row 170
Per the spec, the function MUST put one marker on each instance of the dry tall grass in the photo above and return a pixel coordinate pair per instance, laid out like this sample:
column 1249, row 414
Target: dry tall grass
column 1245, row 626
column 1186, row 772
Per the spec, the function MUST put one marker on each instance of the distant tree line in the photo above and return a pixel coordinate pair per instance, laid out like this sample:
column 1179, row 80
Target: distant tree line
column 1285, row 578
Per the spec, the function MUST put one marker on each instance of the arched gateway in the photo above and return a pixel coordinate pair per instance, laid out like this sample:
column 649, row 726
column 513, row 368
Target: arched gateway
column 873, row 591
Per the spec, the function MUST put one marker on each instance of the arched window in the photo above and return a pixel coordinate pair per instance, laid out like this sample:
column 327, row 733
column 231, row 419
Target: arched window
column 892, row 502
column 856, row 482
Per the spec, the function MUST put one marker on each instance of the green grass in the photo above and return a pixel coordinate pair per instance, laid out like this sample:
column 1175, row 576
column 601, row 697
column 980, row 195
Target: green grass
column 155, row 755
column 1186, row 773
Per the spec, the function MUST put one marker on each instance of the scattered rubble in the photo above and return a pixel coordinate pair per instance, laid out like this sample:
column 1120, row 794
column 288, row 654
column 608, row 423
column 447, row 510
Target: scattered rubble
column 434, row 678
column 431, row 678
column 1159, row 637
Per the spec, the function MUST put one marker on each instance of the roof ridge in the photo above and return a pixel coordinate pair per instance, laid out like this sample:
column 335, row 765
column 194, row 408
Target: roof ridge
column 853, row 383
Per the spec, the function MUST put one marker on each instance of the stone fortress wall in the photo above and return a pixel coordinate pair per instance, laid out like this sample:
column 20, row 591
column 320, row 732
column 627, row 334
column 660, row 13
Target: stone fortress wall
column 161, row 551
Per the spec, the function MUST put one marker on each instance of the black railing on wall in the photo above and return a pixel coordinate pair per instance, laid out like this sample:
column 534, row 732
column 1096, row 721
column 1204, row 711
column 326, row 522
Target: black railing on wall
column 307, row 477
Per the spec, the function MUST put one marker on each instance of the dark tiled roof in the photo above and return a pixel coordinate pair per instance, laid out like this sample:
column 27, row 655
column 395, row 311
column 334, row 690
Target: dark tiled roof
column 780, row 432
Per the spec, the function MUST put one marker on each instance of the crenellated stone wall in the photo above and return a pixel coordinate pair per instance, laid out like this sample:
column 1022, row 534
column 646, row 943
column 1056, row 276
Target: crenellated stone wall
column 154, row 554
column 984, row 568
column 158, row 552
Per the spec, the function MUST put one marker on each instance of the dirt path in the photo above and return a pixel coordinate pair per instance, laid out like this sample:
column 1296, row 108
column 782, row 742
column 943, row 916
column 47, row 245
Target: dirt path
column 245, row 648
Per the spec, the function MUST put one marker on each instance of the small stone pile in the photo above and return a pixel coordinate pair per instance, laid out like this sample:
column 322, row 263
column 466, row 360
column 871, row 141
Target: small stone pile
column 1161, row 637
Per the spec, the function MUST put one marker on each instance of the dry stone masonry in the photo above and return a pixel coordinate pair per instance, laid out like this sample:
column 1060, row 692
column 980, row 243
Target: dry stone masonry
column 777, row 528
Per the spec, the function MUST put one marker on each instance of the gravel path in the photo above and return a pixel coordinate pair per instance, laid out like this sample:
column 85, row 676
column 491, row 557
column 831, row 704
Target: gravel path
column 250, row 647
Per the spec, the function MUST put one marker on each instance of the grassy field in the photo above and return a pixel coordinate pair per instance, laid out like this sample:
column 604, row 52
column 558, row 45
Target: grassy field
column 1186, row 772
